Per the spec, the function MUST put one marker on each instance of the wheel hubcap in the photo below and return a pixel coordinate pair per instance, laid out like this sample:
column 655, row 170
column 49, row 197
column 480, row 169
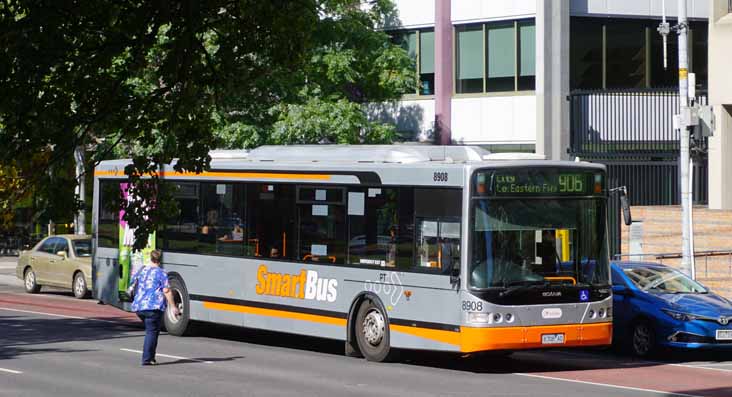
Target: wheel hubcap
column 179, row 304
column 30, row 280
column 373, row 327
column 642, row 339
column 79, row 286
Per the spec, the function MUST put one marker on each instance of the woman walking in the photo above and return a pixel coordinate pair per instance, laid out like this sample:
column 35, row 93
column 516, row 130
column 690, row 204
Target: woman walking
column 151, row 291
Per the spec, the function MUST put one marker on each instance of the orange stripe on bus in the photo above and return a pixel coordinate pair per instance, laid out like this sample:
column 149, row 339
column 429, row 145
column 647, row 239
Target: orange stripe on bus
column 275, row 313
column 511, row 338
column 251, row 175
column 449, row 337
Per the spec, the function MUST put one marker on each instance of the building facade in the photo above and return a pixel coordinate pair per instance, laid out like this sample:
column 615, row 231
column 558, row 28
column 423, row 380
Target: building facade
column 720, row 96
column 507, row 67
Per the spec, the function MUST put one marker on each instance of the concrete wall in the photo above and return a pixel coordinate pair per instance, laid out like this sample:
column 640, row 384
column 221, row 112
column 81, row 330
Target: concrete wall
column 637, row 8
column 657, row 230
column 494, row 119
column 720, row 96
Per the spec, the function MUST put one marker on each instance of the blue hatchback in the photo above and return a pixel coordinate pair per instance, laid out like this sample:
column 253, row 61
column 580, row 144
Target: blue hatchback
column 655, row 305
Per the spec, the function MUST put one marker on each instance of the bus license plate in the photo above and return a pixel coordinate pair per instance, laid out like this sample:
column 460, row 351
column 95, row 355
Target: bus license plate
column 552, row 339
column 724, row 334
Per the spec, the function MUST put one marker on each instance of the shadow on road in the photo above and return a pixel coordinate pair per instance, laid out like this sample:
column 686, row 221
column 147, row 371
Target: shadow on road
column 531, row 361
column 21, row 335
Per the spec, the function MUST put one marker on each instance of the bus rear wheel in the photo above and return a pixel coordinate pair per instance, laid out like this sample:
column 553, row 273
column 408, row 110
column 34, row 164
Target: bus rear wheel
column 372, row 333
column 178, row 325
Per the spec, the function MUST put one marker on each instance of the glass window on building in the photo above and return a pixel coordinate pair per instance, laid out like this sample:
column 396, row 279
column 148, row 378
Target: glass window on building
column 420, row 46
column 626, row 53
column 469, row 59
column 585, row 53
column 501, row 54
column 426, row 63
column 495, row 57
column 527, row 55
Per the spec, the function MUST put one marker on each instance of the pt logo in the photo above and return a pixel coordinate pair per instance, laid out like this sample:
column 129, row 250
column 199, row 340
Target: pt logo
column 389, row 284
column 584, row 295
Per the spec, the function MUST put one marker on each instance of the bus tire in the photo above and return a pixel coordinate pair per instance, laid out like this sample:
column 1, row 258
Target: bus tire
column 178, row 325
column 372, row 332
column 30, row 281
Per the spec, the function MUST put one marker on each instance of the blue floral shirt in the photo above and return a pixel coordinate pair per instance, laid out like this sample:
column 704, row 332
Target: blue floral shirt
column 149, row 290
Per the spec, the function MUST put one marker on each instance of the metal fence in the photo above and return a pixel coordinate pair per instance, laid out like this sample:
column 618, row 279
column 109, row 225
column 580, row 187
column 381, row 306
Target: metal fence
column 648, row 183
column 622, row 123
column 705, row 261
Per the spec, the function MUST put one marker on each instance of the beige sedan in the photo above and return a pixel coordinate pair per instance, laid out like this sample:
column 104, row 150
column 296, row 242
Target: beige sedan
column 59, row 261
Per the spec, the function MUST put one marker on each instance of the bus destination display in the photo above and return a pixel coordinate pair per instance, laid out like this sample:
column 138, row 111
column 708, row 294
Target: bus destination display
column 538, row 182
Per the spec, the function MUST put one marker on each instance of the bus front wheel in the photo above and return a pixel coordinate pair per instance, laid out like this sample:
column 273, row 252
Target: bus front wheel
column 372, row 332
column 178, row 325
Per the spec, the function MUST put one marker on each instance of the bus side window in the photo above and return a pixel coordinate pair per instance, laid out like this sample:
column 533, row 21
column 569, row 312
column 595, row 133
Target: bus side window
column 108, row 229
column 270, row 226
column 321, row 217
column 373, row 226
column 438, row 217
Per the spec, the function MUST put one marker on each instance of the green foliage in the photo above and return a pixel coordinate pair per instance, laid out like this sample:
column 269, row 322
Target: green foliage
column 158, row 80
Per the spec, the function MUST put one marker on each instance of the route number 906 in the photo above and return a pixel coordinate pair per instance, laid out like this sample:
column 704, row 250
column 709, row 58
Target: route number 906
column 440, row 177
column 472, row 306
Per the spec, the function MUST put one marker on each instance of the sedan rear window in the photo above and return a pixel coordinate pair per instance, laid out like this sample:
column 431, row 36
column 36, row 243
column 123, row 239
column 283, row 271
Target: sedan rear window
column 82, row 248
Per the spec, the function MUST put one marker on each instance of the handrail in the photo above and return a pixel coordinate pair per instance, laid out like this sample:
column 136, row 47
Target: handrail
column 674, row 255
column 562, row 278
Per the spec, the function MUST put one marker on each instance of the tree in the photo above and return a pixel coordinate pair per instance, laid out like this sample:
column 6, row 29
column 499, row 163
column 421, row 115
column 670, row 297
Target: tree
column 160, row 79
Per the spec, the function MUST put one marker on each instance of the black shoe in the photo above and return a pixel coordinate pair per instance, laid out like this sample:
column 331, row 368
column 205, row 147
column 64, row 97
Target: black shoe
column 151, row 362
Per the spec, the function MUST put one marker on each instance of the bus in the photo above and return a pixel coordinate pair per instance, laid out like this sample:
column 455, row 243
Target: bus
column 385, row 247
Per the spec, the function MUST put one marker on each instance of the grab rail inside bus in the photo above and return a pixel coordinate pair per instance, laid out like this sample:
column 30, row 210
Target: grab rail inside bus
column 564, row 278
column 315, row 258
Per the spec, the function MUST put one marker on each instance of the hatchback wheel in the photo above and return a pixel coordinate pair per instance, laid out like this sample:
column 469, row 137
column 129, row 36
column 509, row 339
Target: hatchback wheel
column 643, row 340
column 31, row 285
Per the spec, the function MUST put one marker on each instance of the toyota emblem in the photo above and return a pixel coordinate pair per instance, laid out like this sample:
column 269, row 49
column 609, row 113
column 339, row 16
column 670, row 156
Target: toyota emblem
column 723, row 320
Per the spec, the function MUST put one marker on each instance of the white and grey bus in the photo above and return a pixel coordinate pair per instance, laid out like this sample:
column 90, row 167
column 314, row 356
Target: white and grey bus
column 405, row 246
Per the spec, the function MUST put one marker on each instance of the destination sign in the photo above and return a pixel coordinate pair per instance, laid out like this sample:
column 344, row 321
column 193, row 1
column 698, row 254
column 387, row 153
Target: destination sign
column 546, row 182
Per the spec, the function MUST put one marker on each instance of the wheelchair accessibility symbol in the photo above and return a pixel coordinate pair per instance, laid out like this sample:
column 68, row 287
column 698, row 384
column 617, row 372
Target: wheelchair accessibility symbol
column 584, row 295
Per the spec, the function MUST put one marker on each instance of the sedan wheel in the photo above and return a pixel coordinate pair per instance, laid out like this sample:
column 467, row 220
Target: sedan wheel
column 80, row 289
column 31, row 285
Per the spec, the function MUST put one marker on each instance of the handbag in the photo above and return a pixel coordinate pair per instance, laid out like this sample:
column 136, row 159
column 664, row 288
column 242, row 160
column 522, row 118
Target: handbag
column 129, row 295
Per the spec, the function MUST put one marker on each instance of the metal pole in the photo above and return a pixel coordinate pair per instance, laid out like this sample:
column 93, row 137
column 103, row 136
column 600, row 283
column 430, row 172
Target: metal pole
column 684, row 127
column 80, row 221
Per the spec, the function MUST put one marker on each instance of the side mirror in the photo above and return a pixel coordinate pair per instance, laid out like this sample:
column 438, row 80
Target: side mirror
column 623, row 192
column 62, row 254
column 627, row 218
column 455, row 275
column 622, row 290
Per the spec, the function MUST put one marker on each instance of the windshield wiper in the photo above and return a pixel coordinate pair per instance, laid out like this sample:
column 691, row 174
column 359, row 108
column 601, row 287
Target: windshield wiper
column 513, row 287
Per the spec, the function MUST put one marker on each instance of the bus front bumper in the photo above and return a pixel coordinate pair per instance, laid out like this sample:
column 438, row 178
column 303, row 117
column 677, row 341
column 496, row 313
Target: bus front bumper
column 475, row 339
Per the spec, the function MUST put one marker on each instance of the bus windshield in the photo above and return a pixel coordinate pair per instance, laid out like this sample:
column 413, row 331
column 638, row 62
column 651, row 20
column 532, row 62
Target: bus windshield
column 523, row 241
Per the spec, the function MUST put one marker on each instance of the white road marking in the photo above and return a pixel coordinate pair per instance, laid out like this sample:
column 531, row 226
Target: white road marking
column 64, row 316
column 664, row 393
column 11, row 371
column 702, row 366
column 169, row 356
column 46, row 314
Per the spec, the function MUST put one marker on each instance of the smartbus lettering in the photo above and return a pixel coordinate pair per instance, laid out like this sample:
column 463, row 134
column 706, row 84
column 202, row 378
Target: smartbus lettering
column 303, row 285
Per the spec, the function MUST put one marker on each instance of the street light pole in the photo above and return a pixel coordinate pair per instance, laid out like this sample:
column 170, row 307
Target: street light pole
column 685, row 121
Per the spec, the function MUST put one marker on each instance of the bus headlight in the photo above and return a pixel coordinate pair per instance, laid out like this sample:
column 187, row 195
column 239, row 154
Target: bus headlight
column 601, row 312
column 497, row 318
column 479, row 317
column 509, row 317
